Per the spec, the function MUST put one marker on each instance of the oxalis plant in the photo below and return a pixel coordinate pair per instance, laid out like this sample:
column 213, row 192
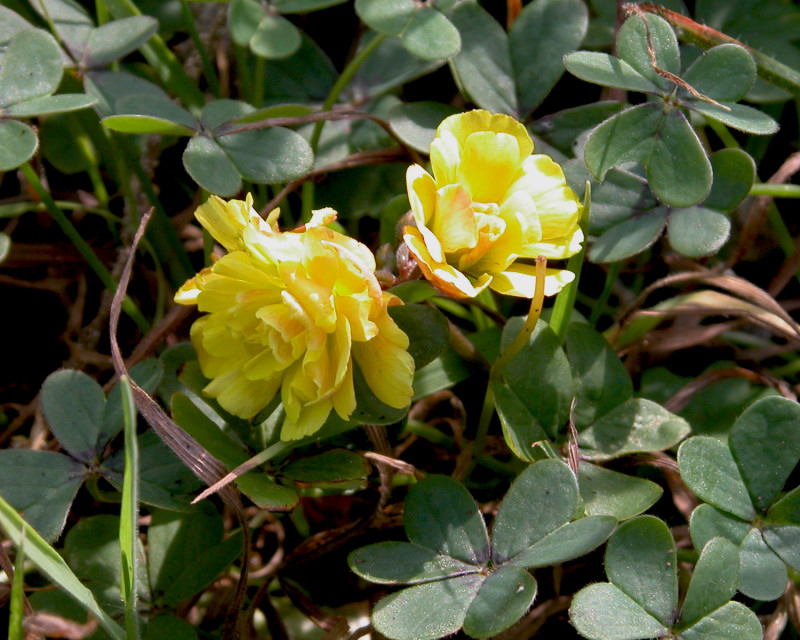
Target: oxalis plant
column 402, row 319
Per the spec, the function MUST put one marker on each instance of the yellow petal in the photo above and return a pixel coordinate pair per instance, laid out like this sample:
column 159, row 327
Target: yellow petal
column 226, row 221
column 242, row 397
column 556, row 249
column 520, row 280
column 462, row 125
column 421, row 193
column 387, row 366
column 490, row 163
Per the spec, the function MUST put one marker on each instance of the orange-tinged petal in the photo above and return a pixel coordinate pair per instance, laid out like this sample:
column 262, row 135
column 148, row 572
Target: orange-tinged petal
column 443, row 276
column 454, row 222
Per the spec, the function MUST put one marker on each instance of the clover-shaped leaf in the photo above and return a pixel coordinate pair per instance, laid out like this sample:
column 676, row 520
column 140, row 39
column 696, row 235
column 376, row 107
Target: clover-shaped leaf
column 741, row 482
column 657, row 134
column 458, row 584
column 641, row 599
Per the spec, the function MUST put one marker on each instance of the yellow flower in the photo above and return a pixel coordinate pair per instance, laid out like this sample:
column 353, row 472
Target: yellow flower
column 488, row 204
column 289, row 313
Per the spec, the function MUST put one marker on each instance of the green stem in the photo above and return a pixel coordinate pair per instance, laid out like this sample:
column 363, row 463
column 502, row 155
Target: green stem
column 485, row 419
column 208, row 69
column 82, row 246
column 240, row 56
column 259, row 72
column 600, row 303
column 775, row 190
column 565, row 300
column 341, row 82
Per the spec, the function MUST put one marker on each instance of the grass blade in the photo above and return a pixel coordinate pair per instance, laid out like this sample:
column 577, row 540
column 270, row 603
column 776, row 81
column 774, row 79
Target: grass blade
column 129, row 513
column 54, row 567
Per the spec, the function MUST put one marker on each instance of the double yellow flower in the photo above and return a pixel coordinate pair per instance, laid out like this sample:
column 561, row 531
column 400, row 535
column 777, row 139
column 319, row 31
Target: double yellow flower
column 488, row 206
column 290, row 313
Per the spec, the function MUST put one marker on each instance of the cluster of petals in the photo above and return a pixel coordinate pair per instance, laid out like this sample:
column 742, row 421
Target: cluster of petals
column 290, row 313
column 488, row 207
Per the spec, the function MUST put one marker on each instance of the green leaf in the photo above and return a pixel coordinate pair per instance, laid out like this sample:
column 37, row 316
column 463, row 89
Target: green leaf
column 112, row 40
column 305, row 76
column 386, row 16
column 91, row 548
column 542, row 34
column 608, row 492
column 641, row 561
column 430, row 35
column 714, row 580
column 787, row 509
column 570, row 541
column 71, row 21
column 762, row 574
column 677, row 168
column 186, row 552
column 404, row 563
column 639, row 425
column 543, row 498
column 765, row 442
column 266, row 493
column 275, row 38
column 73, row 404
column 30, row 68
column 11, row 23
column 304, row 6
column 110, row 87
column 708, row 522
column 605, row 69
column 388, row 67
column 5, row 246
column 709, row 470
column 427, row 330
column 210, row 167
column 147, row 374
column 219, row 112
column 18, row 143
column 426, row 611
column 416, row 123
column 243, row 19
column 164, row 480
column 785, row 541
column 336, row 465
column 725, row 72
column 678, row 171
column 268, row 156
column 732, row 620
column 563, row 128
column 49, row 562
column 503, row 598
column 634, row 40
column 697, row 232
column 738, row 116
column 146, row 124
column 734, row 174
column 150, row 106
column 601, row 380
column 604, row 612
column 520, row 429
column 50, row 104
column 41, row 485
column 440, row 514
column 483, row 66
column 540, row 375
